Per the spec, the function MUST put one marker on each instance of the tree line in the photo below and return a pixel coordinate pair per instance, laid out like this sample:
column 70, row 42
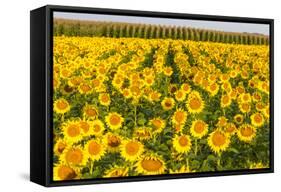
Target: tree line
column 68, row 27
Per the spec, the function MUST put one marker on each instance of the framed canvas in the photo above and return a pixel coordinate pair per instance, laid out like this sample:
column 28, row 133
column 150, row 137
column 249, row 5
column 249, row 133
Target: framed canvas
column 123, row 95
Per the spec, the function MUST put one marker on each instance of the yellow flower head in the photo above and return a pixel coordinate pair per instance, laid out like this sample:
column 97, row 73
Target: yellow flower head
column 199, row 129
column 63, row 172
column 154, row 96
column 116, row 171
column 195, row 103
column 114, row 120
column 213, row 88
column 225, row 101
column 239, row 119
column 85, row 126
column 90, row 111
column 61, row 106
column 186, row 87
column 73, row 156
column 168, row 71
column 142, row 133
column 59, row 146
column 218, row 141
column 179, row 116
column 157, row 124
column 97, row 127
column 246, row 133
column 85, row 88
column 112, row 142
column 131, row 150
column 94, row 150
column 182, row 143
column 230, row 128
column 257, row 119
column 180, row 95
column 72, row 131
column 245, row 107
column 150, row 165
column 168, row 103
column 104, row 99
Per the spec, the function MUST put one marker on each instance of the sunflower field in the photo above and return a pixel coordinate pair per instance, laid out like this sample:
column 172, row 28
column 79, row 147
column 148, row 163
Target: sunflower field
column 133, row 106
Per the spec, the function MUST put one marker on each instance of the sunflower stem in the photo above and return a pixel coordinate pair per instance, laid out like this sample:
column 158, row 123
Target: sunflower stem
column 62, row 118
column 219, row 160
column 135, row 114
column 91, row 167
column 187, row 160
column 196, row 147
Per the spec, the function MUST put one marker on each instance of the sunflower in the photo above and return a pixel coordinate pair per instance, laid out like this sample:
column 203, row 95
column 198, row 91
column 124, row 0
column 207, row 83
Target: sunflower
column 194, row 103
column 224, row 77
column 179, row 116
column 63, row 172
column 245, row 98
column 178, row 127
column 157, row 124
column 222, row 121
column 213, row 88
column 225, row 101
column 131, row 150
column 218, row 141
column 226, row 86
column 73, row 156
column 59, row 146
column 142, row 133
column 114, row 120
column 245, row 107
column 85, row 126
column 230, row 128
column 257, row 96
column 90, row 111
column 96, row 83
column 259, row 106
column 72, row 131
column 97, row 127
column 239, row 119
column 117, row 82
column 61, row 106
column 246, row 132
column 168, row 71
column 180, row 95
column 148, row 81
column 104, row 99
column 172, row 88
column 126, row 93
column 182, row 169
column 182, row 143
column 150, row 165
column 257, row 119
column 258, row 165
column 168, row 103
column 154, row 96
column 112, row 142
column 67, row 90
column 94, row 150
column 266, row 111
column 186, row 87
column 199, row 129
column 85, row 88
column 116, row 171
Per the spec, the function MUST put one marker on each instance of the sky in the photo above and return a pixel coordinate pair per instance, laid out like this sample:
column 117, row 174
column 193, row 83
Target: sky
column 211, row 25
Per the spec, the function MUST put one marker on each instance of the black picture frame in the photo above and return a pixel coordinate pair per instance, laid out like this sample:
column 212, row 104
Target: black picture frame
column 41, row 42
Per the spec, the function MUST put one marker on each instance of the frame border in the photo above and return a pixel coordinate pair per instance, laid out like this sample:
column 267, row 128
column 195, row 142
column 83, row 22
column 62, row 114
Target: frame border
column 49, row 100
